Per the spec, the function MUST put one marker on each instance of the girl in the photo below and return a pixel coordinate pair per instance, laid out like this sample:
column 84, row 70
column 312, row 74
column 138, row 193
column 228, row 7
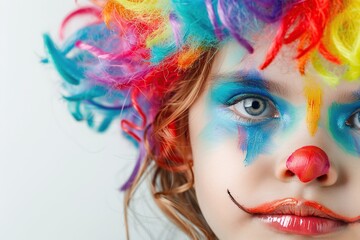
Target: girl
column 245, row 113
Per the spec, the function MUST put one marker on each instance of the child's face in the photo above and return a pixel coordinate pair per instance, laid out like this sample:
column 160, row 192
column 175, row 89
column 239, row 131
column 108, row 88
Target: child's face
column 274, row 135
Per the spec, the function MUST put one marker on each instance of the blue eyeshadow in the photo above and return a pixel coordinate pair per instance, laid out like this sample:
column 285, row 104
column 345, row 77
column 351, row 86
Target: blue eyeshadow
column 346, row 137
column 254, row 138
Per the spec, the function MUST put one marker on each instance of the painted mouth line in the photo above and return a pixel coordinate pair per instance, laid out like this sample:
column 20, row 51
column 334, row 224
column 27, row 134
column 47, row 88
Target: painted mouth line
column 292, row 206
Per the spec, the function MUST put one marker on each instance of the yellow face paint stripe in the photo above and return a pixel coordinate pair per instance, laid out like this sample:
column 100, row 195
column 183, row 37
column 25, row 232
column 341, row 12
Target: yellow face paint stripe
column 313, row 94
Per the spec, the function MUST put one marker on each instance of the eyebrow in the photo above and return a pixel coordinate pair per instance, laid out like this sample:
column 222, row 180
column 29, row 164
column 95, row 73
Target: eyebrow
column 251, row 78
column 351, row 96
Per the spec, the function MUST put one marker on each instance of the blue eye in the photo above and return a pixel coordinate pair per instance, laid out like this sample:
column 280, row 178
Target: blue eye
column 254, row 108
column 354, row 121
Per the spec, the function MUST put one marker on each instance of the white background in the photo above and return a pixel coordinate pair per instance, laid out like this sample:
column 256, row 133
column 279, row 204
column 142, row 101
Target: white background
column 58, row 179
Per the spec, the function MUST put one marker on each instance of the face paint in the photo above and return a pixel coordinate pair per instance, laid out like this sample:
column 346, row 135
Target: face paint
column 241, row 106
column 344, row 126
column 313, row 94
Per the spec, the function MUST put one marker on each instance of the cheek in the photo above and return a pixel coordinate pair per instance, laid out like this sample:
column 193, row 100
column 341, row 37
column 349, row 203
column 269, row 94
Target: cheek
column 219, row 166
column 216, row 168
column 256, row 140
column 220, row 147
column 217, row 161
column 251, row 141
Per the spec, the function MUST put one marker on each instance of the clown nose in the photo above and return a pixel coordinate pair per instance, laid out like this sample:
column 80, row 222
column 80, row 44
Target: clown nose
column 308, row 163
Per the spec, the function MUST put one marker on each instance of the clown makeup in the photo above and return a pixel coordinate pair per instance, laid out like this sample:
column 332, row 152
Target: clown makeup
column 249, row 107
column 273, row 120
column 344, row 124
column 276, row 153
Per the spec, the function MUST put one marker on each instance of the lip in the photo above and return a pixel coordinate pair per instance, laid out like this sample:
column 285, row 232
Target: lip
column 290, row 215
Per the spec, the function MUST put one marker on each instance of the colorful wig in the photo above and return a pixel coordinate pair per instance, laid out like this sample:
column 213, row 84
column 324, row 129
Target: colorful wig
column 121, row 64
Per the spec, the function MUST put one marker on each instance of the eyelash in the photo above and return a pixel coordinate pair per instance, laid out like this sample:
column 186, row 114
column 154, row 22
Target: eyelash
column 352, row 122
column 251, row 119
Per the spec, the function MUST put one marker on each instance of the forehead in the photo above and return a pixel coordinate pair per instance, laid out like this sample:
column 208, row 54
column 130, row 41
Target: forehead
column 282, row 74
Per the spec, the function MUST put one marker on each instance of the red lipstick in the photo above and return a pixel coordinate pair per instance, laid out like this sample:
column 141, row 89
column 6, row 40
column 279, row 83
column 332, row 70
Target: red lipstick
column 295, row 216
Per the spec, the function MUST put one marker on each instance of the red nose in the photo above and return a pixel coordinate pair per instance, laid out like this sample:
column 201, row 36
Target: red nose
column 308, row 163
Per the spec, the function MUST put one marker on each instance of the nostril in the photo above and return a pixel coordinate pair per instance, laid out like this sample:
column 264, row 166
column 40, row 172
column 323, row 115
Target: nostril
column 322, row 178
column 289, row 173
